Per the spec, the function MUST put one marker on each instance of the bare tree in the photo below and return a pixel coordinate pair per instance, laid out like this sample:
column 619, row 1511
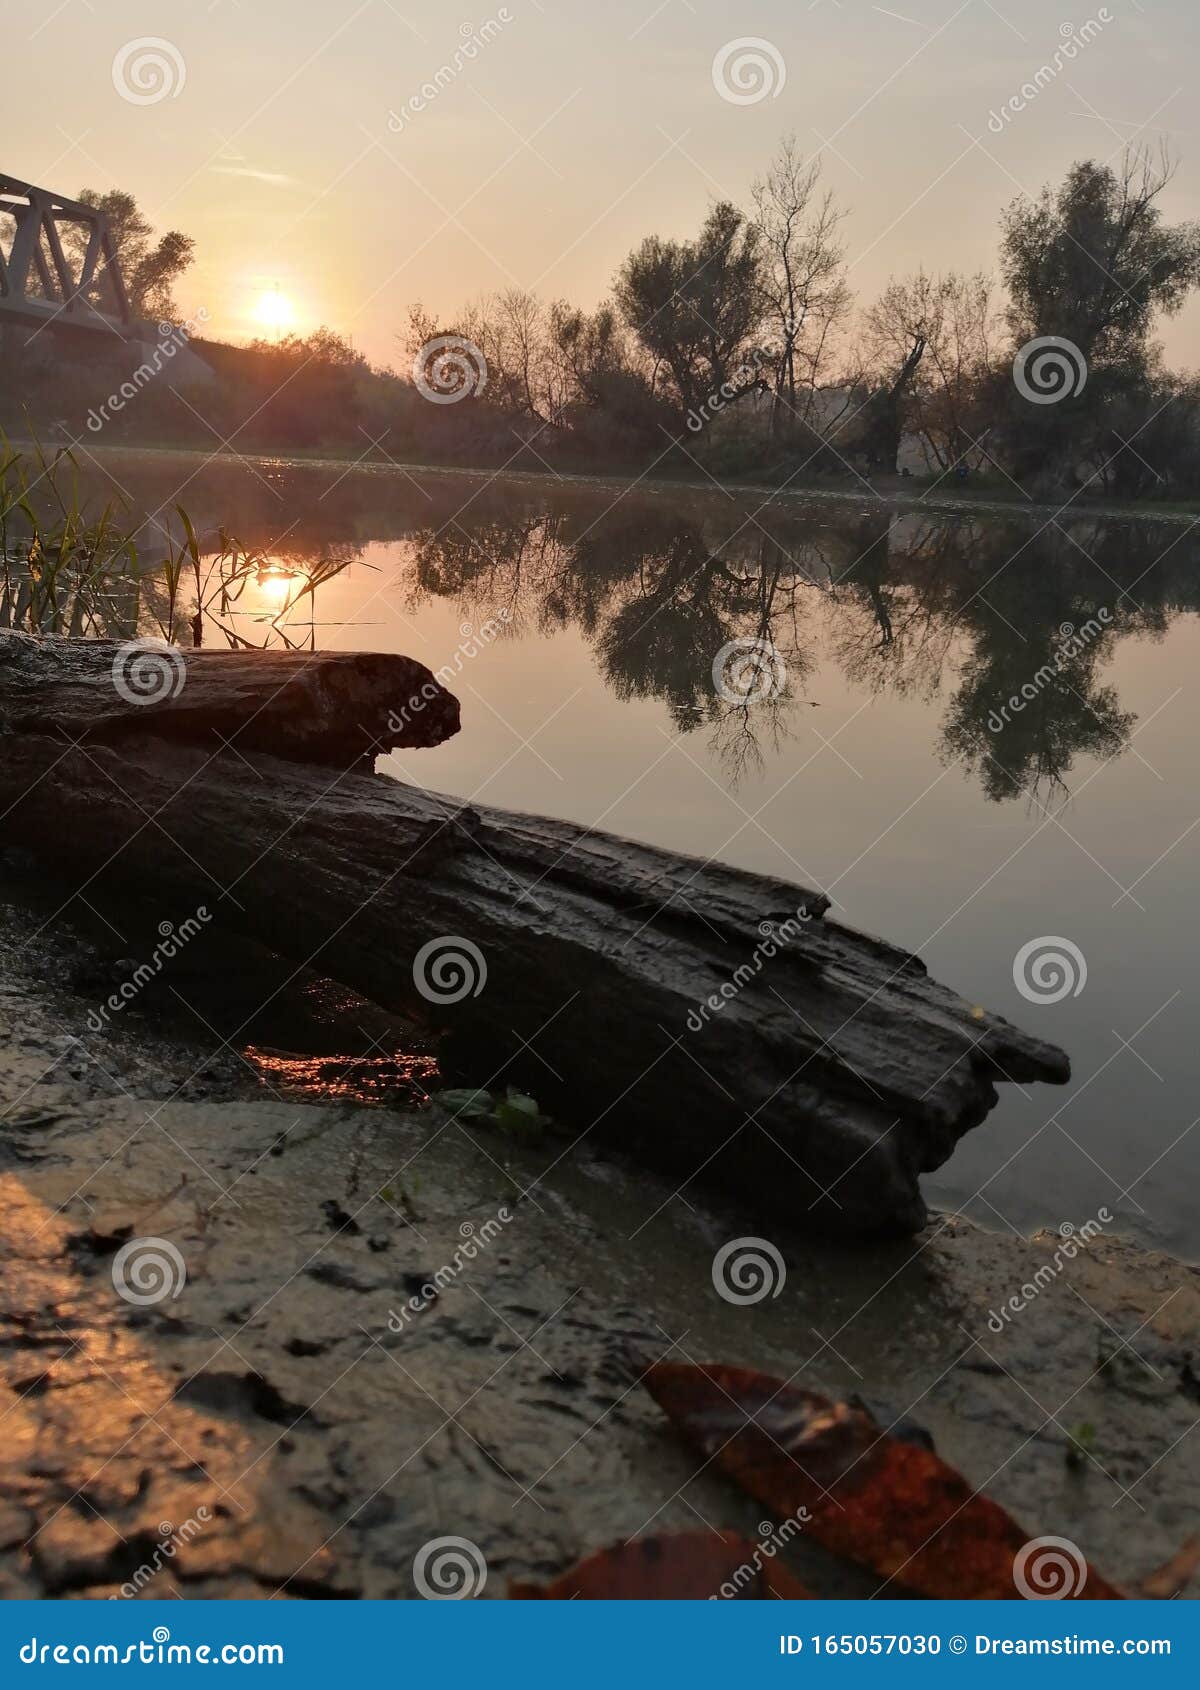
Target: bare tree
column 803, row 279
column 522, row 351
column 955, row 320
column 512, row 331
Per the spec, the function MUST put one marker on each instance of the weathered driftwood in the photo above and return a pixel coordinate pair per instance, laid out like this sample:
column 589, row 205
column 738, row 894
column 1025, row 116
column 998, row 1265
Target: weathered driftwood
column 327, row 707
column 628, row 988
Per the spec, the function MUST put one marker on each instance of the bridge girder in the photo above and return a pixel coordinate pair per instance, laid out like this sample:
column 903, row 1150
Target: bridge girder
column 39, row 285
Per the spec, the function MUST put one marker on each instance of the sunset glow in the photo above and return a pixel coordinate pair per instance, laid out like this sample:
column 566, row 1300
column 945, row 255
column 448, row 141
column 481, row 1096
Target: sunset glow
column 599, row 696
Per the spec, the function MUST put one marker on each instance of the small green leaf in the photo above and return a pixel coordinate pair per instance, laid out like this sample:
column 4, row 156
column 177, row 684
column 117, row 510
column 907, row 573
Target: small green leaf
column 468, row 1103
column 519, row 1115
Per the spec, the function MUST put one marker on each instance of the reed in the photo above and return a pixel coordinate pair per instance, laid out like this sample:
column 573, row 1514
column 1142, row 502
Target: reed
column 72, row 566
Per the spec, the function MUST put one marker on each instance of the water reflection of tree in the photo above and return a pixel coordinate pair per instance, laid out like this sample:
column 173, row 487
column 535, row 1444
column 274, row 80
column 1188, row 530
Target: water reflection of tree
column 653, row 596
column 1032, row 750
column 984, row 612
column 917, row 605
column 921, row 607
column 1037, row 635
column 893, row 630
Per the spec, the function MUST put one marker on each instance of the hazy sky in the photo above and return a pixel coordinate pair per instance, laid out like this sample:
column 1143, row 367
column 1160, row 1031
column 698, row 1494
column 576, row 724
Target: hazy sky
column 573, row 131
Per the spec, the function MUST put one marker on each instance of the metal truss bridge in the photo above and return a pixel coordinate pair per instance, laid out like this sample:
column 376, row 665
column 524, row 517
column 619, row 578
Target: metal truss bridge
column 49, row 282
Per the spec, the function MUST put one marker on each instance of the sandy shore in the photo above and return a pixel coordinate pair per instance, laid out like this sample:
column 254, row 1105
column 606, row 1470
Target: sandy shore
column 289, row 1424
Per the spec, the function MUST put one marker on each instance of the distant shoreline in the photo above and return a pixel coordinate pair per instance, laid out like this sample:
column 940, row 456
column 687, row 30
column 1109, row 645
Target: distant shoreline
column 890, row 496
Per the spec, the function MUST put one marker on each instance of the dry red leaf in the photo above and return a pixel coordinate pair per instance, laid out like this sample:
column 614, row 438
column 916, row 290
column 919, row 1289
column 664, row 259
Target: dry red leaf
column 682, row 1565
column 1167, row 1581
column 893, row 1506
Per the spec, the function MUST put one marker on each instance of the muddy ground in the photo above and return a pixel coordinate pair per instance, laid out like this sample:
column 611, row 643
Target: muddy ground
column 271, row 1426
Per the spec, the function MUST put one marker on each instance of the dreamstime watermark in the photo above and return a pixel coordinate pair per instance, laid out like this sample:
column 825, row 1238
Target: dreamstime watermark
column 449, row 1569
column 472, row 40
column 748, row 672
column 172, row 339
column 1050, row 1569
column 1072, row 41
column 743, row 380
column 748, row 70
column 172, row 1538
column 773, row 1539
column 776, row 936
column 748, row 1269
column 146, row 1271
column 1049, row 369
column 1071, row 1238
column 449, row 969
column 148, row 671
column 475, row 1239
column 449, row 368
column 473, row 640
column 157, row 1650
column 148, row 70
column 1071, row 642
column 1049, row 968
column 171, row 940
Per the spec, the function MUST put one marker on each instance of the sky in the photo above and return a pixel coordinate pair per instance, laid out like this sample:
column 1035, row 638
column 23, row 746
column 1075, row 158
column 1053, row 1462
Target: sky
column 291, row 139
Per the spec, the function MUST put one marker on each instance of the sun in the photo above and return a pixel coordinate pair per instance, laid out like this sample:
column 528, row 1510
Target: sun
column 274, row 310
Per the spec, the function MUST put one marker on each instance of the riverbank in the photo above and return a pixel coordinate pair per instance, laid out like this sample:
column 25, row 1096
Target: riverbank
column 888, row 492
column 311, row 1430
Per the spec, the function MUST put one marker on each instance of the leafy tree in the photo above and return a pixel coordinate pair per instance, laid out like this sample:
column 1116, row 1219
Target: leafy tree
column 1151, row 440
column 611, row 403
column 693, row 305
column 1094, row 263
column 150, row 267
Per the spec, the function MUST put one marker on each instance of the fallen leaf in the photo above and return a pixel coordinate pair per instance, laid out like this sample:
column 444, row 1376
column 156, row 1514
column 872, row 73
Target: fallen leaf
column 681, row 1566
column 1176, row 1575
column 891, row 1505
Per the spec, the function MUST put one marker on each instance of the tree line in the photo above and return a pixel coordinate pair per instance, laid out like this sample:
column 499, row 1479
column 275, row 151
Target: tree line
column 743, row 351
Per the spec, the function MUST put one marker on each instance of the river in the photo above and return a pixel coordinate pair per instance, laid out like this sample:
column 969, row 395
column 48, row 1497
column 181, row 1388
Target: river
column 974, row 731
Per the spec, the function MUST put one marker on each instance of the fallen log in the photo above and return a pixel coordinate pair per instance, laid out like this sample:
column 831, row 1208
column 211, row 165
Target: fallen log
column 328, row 707
column 707, row 1020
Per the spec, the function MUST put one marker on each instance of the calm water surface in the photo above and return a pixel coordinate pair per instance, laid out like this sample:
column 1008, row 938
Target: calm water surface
column 881, row 773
